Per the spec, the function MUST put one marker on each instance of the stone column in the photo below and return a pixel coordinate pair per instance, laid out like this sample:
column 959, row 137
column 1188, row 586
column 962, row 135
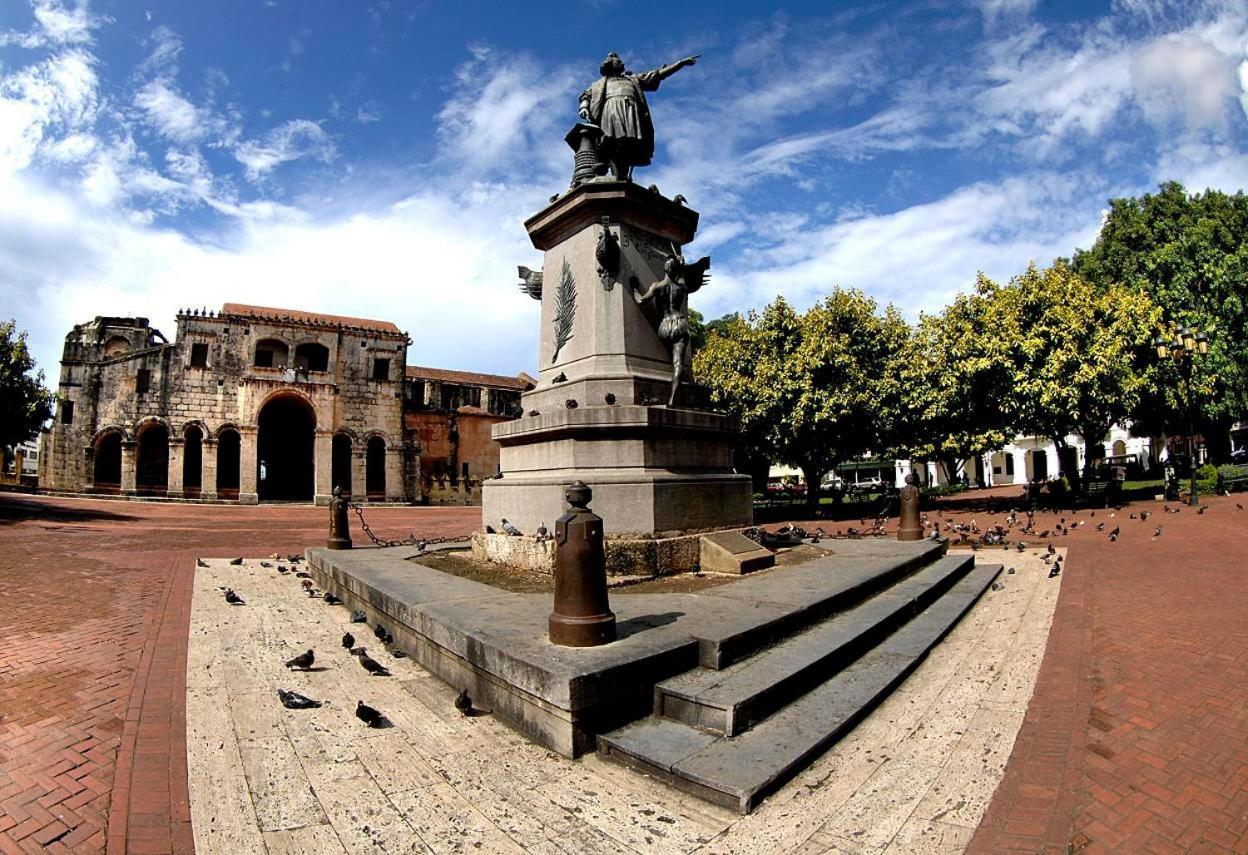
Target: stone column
column 359, row 468
column 323, row 456
column 173, row 488
column 88, row 467
column 394, row 473
column 208, row 469
column 129, row 474
column 247, row 494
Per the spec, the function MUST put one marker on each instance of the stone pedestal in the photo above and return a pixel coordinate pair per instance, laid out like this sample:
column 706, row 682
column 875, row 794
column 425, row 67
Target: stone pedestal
column 603, row 383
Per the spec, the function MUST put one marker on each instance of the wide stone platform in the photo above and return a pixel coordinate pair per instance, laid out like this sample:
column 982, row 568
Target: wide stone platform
column 494, row 644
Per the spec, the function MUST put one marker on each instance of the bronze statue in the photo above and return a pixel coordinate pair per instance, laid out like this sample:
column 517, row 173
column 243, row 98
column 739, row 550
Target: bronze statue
column 673, row 290
column 910, row 527
column 616, row 104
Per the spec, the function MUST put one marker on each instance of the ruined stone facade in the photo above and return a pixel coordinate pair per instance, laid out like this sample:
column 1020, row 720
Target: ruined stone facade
column 451, row 413
column 249, row 403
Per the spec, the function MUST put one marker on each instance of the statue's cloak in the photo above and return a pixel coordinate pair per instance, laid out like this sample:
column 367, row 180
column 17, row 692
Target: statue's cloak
column 628, row 132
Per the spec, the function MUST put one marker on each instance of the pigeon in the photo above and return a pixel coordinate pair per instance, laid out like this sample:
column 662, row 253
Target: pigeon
column 236, row 561
column 282, row 570
column 358, row 617
column 372, row 666
column 1145, row 515
column 511, row 529
column 348, row 640
column 463, row 703
column 199, row 562
column 1052, row 551
column 1238, row 505
column 1202, row 509
column 232, row 598
column 1057, row 569
column 542, row 531
column 489, row 529
column 383, row 634
column 997, row 586
column 303, row 661
column 1010, row 571
column 266, row 565
column 292, row 700
column 368, row 715
column 1113, row 535
column 1022, row 547
column 1157, row 532
column 331, row 599
column 1100, row 526
column 398, row 654
column 302, row 574
column 571, row 404
column 307, row 585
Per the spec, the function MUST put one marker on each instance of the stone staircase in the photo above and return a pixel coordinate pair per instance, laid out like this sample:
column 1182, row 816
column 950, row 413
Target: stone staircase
column 763, row 705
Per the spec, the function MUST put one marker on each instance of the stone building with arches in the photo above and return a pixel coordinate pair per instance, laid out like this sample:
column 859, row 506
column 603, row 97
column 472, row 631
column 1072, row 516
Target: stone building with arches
column 248, row 404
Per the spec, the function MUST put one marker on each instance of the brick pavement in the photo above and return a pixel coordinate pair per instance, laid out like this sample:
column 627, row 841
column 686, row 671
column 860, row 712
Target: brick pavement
column 93, row 657
column 1136, row 739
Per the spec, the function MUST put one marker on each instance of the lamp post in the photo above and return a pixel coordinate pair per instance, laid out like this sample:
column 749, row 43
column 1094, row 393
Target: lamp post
column 1183, row 349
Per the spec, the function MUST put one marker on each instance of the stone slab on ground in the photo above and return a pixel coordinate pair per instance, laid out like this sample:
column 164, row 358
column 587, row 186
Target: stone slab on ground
column 887, row 786
column 732, row 552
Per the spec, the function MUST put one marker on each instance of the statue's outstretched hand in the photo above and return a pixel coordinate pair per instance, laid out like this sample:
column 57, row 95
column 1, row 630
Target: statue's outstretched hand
column 583, row 113
column 691, row 60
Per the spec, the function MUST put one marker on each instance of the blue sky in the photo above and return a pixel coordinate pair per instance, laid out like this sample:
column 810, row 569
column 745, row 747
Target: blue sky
column 378, row 158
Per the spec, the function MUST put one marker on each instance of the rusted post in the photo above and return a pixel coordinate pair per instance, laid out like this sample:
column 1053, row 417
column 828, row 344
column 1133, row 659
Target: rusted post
column 910, row 528
column 339, row 531
column 582, row 616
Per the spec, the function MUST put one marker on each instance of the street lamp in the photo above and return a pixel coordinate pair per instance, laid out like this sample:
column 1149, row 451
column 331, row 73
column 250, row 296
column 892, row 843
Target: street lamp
column 1183, row 349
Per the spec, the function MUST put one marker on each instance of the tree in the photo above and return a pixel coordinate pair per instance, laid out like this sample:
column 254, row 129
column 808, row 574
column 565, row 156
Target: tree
column 24, row 404
column 811, row 390
column 1189, row 254
column 1075, row 354
column 955, row 379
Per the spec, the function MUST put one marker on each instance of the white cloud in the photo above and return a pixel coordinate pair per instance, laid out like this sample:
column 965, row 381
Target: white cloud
column 1184, row 76
column 292, row 140
column 57, row 25
column 57, row 94
column 170, row 112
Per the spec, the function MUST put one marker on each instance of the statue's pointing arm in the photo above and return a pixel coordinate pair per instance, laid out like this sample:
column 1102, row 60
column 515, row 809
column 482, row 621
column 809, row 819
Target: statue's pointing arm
column 583, row 109
column 650, row 80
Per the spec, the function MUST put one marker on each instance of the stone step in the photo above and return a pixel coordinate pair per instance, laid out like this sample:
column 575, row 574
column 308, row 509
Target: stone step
column 777, row 606
column 730, row 700
column 738, row 771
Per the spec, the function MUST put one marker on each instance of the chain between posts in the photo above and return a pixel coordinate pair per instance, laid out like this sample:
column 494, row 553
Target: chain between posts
column 413, row 540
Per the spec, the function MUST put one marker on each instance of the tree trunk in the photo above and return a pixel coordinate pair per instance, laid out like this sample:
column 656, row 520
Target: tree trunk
column 813, row 475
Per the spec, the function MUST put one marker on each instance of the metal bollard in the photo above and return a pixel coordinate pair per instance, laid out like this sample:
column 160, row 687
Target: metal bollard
column 339, row 530
column 910, row 528
column 582, row 616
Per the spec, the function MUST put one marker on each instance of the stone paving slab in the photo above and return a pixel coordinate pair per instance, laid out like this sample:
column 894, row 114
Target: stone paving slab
column 442, row 782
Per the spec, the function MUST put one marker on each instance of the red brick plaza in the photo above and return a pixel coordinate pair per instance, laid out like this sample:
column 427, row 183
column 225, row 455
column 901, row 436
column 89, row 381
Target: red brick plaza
column 1136, row 739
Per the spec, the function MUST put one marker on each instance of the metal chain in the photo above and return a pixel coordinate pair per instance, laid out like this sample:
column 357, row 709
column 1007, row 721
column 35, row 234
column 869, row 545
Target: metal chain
column 413, row 540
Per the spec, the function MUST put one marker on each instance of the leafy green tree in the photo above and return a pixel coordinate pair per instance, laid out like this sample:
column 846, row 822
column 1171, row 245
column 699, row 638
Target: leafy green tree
column 1189, row 254
column 814, row 389
column 24, row 403
column 1075, row 354
column 955, row 381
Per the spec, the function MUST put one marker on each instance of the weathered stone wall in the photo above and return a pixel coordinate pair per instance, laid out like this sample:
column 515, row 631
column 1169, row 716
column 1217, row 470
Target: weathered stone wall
column 100, row 375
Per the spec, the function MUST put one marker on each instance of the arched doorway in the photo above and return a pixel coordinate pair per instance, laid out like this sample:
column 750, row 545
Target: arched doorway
column 228, row 445
column 152, row 466
column 107, row 469
column 375, row 468
column 1039, row 465
column 341, row 466
column 284, row 450
column 192, row 461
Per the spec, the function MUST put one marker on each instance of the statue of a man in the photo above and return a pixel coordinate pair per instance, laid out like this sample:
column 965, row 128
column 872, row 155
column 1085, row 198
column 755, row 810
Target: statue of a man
column 672, row 294
column 616, row 103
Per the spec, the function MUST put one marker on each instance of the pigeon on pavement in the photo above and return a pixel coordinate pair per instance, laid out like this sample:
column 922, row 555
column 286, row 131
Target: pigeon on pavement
column 463, row 703
column 348, row 640
column 303, row 661
column 292, row 700
column 368, row 715
column 232, row 598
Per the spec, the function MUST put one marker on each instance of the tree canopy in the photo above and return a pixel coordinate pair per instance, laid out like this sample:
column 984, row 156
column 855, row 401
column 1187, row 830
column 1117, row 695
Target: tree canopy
column 24, row 404
column 811, row 389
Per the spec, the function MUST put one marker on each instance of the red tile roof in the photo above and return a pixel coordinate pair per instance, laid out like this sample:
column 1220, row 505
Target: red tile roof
column 299, row 316
column 521, row 382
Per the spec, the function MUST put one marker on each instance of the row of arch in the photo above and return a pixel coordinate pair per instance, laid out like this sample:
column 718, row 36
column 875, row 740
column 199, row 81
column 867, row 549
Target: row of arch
column 285, row 456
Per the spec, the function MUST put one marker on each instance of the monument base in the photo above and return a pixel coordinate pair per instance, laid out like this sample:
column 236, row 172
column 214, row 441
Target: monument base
column 653, row 470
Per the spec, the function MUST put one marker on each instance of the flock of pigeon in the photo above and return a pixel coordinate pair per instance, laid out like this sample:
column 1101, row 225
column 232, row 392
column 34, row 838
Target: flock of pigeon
column 293, row 700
